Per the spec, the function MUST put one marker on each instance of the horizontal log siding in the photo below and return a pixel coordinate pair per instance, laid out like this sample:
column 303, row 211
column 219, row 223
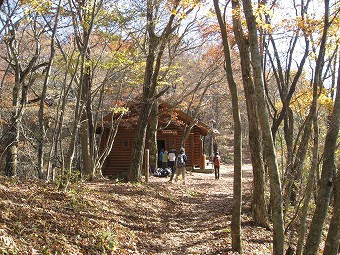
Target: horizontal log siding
column 198, row 146
column 120, row 156
column 192, row 145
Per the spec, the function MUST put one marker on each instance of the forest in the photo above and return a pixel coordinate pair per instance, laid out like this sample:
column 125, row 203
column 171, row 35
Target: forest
column 265, row 74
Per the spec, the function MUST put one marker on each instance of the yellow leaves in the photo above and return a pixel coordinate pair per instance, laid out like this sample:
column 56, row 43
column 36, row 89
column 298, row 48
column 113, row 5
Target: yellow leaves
column 180, row 8
column 40, row 6
column 121, row 110
column 326, row 101
column 309, row 25
column 303, row 99
column 261, row 13
column 236, row 13
column 333, row 35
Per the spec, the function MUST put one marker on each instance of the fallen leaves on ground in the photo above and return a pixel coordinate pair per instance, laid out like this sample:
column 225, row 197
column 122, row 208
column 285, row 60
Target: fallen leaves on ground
column 123, row 218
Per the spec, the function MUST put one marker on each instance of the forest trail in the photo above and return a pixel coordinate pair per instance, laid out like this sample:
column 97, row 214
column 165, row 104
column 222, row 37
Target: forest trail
column 103, row 217
column 197, row 219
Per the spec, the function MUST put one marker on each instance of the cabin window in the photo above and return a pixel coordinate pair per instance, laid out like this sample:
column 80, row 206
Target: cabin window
column 126, row 144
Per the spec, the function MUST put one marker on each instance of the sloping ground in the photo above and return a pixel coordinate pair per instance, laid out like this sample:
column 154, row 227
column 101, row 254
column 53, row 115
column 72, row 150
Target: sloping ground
column 123, row 218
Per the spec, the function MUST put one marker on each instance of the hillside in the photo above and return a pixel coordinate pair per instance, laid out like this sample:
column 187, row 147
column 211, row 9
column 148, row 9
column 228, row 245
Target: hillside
column 123, row 218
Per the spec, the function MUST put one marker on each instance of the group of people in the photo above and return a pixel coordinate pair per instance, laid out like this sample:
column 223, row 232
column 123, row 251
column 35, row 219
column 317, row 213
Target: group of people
column 169, row 159
column 177, row 163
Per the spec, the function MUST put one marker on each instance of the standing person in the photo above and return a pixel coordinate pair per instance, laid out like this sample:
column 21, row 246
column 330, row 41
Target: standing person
column 160, row 157
column 165, row 159
column 217, row 163
column 172, row 158
column 180, row 164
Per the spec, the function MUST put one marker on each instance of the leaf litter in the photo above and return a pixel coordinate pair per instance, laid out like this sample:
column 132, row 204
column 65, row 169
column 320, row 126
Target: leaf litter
column 105, row 217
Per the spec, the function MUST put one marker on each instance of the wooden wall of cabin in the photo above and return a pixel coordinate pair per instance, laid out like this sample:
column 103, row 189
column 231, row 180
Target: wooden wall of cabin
column 120, row 157
column 193, row 146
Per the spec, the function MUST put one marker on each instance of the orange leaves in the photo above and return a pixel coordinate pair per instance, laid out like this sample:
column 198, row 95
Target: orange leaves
column 214, row 53
column 211, row 29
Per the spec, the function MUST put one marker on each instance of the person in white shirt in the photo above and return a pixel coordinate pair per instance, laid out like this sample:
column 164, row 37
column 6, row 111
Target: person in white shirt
column 171, row 164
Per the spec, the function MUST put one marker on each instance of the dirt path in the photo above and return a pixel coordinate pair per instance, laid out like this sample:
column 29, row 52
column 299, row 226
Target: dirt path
column 197, row 219
column 157, row 218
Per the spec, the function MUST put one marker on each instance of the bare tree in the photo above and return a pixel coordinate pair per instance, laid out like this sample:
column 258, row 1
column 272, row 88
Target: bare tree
column 156, row 44
column 20, row 35
column 269, row 149
column 42, row 131
column 328, row 170
column 237, row 187
column 259, row 208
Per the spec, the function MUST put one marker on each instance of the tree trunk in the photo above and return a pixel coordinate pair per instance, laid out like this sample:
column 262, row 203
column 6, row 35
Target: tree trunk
column 135, row 169
column 86, row 126
column 85, row 88
column 309, row 188
column 19, row 95
column 333, row 236
column 270, row 156
column 12, row 150
column 13, row 132
column 152, row 136
column 151, row 73
column 294, row 173
column 86, row 155
column 78, row 111
column 41, row 134
column 57, row 130
column 259, row 207
column 237, row 185
column 326, row 181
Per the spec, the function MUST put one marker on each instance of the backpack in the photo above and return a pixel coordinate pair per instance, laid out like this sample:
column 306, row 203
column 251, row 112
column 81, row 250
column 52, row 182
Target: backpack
column 180, row 160
column 159, row 172
column 217, row 161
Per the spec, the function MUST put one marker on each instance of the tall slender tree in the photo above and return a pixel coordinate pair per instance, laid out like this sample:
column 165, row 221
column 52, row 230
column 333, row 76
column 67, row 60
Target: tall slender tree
column 269, row 149
column 333, row 236
column 156, row 44
column 328, row 167
column 259, row 208
column 42, row 130
column 237, row 187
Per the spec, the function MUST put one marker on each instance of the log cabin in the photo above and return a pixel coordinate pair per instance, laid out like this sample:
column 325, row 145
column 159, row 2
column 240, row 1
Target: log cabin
column 171, row 124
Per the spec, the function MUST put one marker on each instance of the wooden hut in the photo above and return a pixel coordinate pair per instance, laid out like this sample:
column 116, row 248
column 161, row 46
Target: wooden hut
column 171, row 124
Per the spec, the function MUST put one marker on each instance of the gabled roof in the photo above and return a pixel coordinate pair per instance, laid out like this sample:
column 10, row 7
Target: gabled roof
column 166, row 111
column 181, row 117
